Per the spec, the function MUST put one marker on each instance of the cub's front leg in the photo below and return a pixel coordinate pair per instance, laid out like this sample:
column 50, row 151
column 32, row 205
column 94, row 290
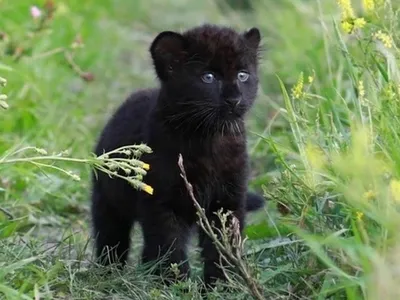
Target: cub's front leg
column 212, row 259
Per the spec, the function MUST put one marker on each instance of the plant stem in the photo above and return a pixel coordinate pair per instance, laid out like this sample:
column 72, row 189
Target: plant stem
column 39, row 158
column 224, row 250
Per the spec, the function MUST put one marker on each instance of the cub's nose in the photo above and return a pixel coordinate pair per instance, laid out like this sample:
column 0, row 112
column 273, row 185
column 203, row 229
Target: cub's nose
column 232, row 102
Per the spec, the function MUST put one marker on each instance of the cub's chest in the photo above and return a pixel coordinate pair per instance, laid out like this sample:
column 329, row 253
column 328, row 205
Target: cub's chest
column 226, row 155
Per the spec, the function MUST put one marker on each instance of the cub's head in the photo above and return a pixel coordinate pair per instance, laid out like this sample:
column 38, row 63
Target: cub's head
column 209, row 75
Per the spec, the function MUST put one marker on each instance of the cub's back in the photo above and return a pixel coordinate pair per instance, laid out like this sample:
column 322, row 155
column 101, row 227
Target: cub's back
column 128, row 124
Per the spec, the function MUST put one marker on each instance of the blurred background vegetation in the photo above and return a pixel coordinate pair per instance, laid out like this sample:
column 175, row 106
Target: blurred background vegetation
column 324, row 140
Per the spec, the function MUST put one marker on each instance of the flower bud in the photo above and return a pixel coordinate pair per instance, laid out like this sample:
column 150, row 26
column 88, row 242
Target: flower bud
column 3, row 81
column 4, row 104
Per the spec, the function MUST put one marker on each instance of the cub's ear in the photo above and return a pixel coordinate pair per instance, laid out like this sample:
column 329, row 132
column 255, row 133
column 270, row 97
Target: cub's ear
column 167, row 52
column 252, row 37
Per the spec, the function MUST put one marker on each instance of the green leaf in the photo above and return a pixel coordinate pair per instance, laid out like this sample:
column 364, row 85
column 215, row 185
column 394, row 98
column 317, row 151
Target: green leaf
column 17, row 265
column 11, row 293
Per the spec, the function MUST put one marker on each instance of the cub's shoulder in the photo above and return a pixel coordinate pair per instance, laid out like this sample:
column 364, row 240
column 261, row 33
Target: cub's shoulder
column 142, row 99
column 126, row 125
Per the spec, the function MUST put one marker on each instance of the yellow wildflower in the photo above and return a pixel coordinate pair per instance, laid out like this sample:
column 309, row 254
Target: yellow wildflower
column 349, row 20
column 359, row 23
column 369, row 195
column 359, row 215
column 148, row 189
column 146, row 166
column 389, row 91
column 395, row 189
column 361, row 90
column 384, row 38
column 369, row 5
column 297, row 91
column 347, row 9
column 347, row 26
column 310, row 79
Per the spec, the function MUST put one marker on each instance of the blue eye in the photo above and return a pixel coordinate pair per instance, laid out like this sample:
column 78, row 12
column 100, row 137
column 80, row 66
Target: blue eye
column 207, row 77
column 243, row 76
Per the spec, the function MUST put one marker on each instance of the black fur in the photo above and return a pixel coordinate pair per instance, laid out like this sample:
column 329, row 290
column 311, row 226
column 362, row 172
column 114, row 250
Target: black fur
column 203, row 121
column 254, row 202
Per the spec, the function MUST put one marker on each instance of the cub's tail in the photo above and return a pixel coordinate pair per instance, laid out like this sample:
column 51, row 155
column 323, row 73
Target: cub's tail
column 254, row 201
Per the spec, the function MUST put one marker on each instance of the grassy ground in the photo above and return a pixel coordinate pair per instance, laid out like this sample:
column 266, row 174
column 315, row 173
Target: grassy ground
column 324, row 143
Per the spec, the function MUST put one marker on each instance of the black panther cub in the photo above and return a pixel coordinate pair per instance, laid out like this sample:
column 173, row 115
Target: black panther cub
column 208, row 81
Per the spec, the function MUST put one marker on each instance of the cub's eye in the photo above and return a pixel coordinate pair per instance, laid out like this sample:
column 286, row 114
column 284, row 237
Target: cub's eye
column 243, row 76
column 208, row 77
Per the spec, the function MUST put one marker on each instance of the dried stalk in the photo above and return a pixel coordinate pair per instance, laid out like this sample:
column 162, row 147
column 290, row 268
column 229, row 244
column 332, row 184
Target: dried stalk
column 230, row 252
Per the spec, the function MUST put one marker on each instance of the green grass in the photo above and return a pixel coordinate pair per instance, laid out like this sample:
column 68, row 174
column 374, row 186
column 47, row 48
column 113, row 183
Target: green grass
column 329, row 162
